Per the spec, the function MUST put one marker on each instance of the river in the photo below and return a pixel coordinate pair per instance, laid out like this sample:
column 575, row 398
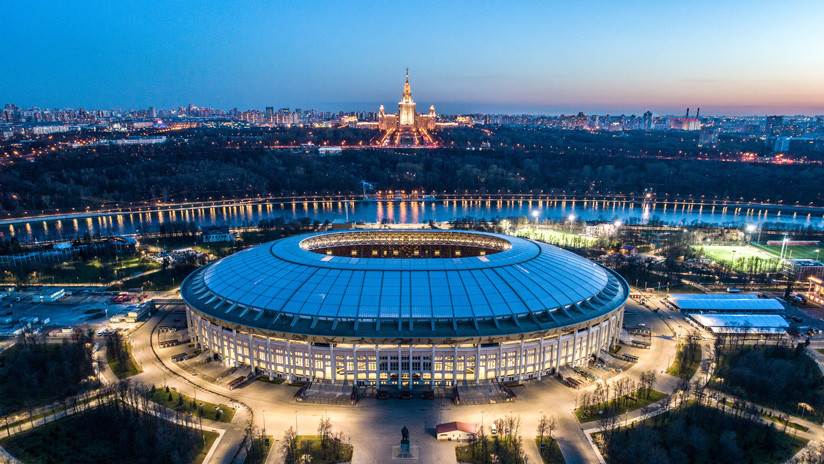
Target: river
column 409, row 212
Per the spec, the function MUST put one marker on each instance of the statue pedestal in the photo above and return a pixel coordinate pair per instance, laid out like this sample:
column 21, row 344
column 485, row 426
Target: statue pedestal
column 404, row 452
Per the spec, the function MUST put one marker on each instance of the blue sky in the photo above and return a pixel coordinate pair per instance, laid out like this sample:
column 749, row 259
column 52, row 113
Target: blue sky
column 753, row 57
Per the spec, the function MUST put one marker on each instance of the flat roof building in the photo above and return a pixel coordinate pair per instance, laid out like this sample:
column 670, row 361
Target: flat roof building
column 717, row 303
column 756, row 324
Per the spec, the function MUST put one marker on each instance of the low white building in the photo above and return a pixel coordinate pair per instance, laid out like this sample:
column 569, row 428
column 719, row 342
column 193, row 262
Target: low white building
column 455, row 431
column 49, row 295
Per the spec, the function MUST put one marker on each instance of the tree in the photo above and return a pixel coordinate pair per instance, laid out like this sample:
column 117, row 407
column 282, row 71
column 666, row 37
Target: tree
column 289, row 446
column 543, row 426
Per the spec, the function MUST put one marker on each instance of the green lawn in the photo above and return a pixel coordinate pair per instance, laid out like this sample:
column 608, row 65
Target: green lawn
column 737, row 257
column 258, row 451
column 556, row 237
column 311, row 444
column 504, row 449
column 172, row 400
column 551, row 453
column 793, row 251
column 690, row 370
column 590, row 413
column 128, row 369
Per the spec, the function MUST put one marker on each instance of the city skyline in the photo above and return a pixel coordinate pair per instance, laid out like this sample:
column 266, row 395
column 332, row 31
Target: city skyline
column 478, row 58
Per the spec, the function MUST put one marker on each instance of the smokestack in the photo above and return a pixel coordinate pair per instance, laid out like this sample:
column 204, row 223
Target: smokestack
column 697, row 113
column 688, row 114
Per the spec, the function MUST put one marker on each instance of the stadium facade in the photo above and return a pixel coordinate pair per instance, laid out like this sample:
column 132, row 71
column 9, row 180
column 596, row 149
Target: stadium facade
column 404, row 308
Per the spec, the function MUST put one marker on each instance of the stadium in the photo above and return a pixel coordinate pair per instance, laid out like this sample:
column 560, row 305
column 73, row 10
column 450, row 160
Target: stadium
column 404, row 308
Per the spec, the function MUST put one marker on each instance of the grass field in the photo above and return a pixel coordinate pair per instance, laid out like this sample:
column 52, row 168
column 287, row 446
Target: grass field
column 556, row 237
column 690, row 370
column 172, row 400
column 793, row 251
column 552, row 452
column 583, row 415
column 728, row 253
column 128, row 369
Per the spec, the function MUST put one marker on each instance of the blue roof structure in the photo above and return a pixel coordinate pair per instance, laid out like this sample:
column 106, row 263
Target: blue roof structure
column 283, row 280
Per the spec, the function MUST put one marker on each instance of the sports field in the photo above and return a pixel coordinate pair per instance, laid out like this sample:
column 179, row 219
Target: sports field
column 794, row 251
column 728, row 253
column 742, row 258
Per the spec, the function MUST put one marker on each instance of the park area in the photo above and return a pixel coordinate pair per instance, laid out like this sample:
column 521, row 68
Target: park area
column 113, row 432
column 695, row 433
column 34, row 373
column 182, row 403
column 93, row 271
column 779, row 377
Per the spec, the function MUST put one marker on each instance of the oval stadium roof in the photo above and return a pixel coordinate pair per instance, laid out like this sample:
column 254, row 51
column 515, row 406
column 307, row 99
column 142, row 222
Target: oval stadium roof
column 276, row 283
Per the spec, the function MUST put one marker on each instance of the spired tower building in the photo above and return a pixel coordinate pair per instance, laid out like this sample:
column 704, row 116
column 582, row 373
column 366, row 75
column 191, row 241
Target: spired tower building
column 406, row 107
column 407, row 128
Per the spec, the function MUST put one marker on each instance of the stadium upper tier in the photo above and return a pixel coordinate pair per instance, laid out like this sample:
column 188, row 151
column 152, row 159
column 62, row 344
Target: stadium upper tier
column 404, row 284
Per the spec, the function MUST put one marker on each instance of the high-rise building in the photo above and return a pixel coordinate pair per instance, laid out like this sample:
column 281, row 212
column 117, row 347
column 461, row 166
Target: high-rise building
column 648, row 120
column 406, row 107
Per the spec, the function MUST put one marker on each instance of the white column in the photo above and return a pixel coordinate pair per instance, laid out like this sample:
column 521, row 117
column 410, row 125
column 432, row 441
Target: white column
column 455, row 365
column 521, row 361
column 540, row 358
column 252, row 357
column 311, row 362
column 333, row 361
column 378, row 367
column 410, row 366
column 558, row 353
column 432, row 368
column 500, row 361
column 574, row 347
column 478, row 364
column 355, row 362
column 234, row 347
column 270, row 360
column 290, row 370
column 400, row 367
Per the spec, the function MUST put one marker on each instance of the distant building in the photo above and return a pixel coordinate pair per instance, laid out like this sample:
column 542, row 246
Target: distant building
column 49, row 295
column 455, row 431
column 215, row 234
column 628, row 250
column 327, row 151
column 407, row 128
column 815, row 292
column 801, row 269
column 648, row 120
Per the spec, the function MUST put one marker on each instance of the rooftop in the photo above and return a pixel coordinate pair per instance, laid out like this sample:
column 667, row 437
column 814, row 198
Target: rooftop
column 286, row 286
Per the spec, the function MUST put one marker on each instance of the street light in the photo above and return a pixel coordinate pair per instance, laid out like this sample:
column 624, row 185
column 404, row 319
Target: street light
column 535, row 214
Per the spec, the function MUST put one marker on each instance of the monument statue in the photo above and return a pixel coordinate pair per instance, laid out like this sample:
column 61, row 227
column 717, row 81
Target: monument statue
column 405, row 453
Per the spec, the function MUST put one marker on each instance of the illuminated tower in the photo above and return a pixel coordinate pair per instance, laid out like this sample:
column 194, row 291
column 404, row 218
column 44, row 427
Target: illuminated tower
column 406, row 107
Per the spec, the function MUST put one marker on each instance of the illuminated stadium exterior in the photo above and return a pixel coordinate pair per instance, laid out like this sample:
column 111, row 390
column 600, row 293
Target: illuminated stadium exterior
column 404, row 308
